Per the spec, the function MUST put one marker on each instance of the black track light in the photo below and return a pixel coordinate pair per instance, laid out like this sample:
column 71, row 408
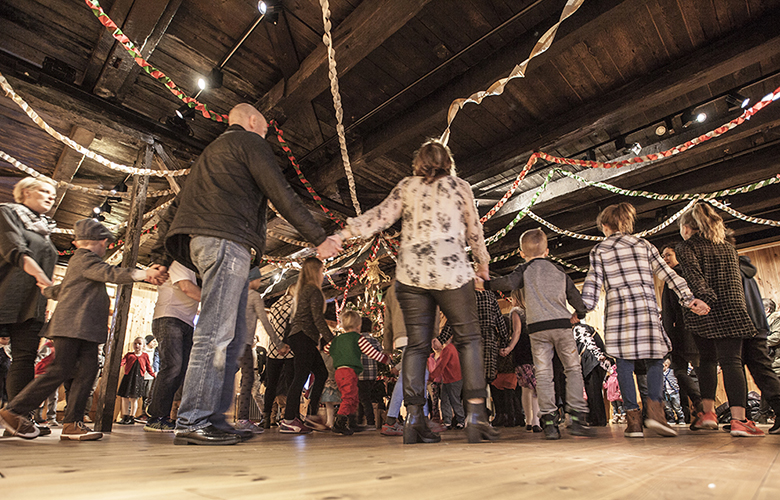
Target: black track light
column 185, row 112
column 690, row 116
column 736, row 100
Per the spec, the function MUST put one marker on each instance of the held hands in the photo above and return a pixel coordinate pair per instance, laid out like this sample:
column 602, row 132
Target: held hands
column 503, row 352
column 699, row 307
column 156, row 274
column 284, row 349
column 479, row 283
column 483, row 272
column 574, row 319
column 330, row 247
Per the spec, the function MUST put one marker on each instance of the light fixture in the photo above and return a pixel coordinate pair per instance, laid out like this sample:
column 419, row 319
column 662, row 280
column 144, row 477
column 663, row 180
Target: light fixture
column 262, row 7
column 185, row 112
column 105, row 207
column 269, row 10
column 665, row 127
column 202, row 83
column 590, row 155
column 736, row 100
column 689, row 116
column 96, row 210
column 636, row 148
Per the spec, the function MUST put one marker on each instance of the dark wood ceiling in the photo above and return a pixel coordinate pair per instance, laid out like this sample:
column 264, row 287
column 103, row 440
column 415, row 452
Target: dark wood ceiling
column 617, row 69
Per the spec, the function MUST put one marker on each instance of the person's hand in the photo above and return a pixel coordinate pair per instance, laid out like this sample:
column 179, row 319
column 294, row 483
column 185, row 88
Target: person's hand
column 395, row 371
column 574, row 319
column 156, row 274
column 699, row 307
column 479, row 283
column 330, row 247
column 504, row 352
column 483, row 272
column 284, row 349
column 42, row 286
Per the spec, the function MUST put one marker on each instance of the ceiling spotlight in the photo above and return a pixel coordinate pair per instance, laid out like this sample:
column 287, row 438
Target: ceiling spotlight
column 665, row 127
column 636, row 148
column 262, row 7
column 105, row 207
column 202, row 83
column 269, row 10
column 736, row 100
column 689, row 117
column 661, row 130
column 96, row 210
column 185, row 112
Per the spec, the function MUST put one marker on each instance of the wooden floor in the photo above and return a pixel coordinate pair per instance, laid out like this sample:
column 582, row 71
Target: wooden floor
column 130, row 463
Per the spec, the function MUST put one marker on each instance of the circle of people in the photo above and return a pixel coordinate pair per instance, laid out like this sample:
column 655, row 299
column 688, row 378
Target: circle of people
column 712, row 316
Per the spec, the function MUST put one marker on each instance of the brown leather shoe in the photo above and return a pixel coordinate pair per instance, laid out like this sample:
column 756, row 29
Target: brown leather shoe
column 656, row 419
column 634, row 428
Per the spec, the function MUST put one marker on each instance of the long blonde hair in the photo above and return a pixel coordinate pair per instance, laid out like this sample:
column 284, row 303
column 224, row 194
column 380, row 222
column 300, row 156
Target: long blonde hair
column 705, row 219
column 310, row 275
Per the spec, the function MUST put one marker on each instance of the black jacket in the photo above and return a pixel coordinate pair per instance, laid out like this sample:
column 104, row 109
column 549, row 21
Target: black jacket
column 753, row 300
column 226, row 196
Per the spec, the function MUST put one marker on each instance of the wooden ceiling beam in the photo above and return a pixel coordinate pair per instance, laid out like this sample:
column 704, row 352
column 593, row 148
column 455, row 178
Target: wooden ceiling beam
column 757, row 42
column 70, row 161
column 145, row 25
column 365, row 29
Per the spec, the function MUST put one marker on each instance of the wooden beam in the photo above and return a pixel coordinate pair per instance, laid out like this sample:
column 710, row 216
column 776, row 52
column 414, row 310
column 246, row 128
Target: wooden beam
column 365, row 29
column 105, row 43
column 145, row 25
column 116, row 336
column 170, row 164
column 754, row 43
column 70, row 161
column 285, row 55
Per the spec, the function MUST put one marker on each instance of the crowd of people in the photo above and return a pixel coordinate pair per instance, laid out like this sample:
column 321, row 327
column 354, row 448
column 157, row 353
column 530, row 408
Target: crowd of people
column 538, row 365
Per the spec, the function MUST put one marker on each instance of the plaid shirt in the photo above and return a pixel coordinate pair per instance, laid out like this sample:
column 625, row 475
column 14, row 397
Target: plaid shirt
column 712, row 271
column 279, row 315
column 493, row 328
column 370, row 366
column 624, row 264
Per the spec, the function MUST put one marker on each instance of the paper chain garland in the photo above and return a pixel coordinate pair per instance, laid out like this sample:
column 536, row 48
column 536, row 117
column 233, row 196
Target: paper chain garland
column 518, row 71
column 9, row 91
column 334, row 90
column 67, row 185
column 745, row 116
column 155, row 73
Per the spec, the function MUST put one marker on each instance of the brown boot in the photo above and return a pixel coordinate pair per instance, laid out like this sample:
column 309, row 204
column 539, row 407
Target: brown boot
column 634, row 428
column 656, row 419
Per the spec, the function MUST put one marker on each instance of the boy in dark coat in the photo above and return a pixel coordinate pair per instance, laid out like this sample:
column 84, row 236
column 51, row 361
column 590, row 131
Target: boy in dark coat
column 78, row 326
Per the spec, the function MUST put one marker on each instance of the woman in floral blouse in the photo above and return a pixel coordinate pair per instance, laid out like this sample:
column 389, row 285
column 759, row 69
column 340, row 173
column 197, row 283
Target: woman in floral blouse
column 439, row 220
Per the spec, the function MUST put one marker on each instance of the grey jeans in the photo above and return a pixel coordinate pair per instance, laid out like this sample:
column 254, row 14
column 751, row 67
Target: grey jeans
column 543, row 345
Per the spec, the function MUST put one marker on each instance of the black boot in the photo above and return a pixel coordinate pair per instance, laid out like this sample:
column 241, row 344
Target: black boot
column 416, row 428
column 775, row 405
column 579, row 424
column 477, row 425
column 549, row 423
column 341, row 425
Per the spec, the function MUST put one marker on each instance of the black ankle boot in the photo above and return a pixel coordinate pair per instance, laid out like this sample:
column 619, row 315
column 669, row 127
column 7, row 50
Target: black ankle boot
column 549, row 423
column 775, row 405
column 416, row 428
column 341, row 425
column 579, row 424
column 477, row 425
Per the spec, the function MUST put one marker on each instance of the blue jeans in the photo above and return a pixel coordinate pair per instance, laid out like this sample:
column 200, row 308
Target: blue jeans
column 175, row 343
column 655, row 381
column 397, row 399
column 220, row 335
column 451, row 402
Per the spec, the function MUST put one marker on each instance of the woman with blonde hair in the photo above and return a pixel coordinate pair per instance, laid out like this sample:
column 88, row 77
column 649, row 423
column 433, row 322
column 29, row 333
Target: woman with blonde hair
column 308, row 326
column 710, row 265
column 27, row 259
column 439, row 220
column 625, row 264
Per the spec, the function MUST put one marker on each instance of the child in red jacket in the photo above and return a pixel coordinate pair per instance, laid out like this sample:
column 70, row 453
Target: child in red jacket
column 448, row 371
column 136, row 364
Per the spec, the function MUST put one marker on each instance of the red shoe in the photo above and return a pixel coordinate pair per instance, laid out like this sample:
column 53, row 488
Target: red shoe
column 705, row 421
column 745, row 429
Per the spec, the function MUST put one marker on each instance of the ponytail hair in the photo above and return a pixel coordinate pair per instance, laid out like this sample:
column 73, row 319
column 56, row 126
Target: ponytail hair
column 619, row 218
column 432, row 160
column 704, row 219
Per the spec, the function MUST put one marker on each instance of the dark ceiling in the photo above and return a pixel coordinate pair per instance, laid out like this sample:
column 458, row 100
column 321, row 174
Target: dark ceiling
column 615, row 71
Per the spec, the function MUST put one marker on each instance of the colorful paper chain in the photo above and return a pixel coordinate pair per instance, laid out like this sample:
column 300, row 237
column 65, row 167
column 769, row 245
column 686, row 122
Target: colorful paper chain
column 9, row 91
column 73, row 187
column 155, row 73
column 497, row 88
column 745, row 116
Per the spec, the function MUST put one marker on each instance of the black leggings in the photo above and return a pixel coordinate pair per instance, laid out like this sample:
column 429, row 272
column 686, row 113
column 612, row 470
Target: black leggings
column 728, row 353
column 24, row 346
column 276, row 369
column 307, row 360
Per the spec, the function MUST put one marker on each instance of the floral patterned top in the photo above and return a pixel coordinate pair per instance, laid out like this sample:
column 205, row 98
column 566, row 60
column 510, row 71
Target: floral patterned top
column 438, row 221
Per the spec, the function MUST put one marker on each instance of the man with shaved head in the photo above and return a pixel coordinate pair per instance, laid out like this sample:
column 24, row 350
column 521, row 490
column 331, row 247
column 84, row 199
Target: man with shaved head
column 217, row 220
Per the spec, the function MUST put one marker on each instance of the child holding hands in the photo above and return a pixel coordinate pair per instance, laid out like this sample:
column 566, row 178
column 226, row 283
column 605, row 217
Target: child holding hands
column 78, row 326
column 345, row 350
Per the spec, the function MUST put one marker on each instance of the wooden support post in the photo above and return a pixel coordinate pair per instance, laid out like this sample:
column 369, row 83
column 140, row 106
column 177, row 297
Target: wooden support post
column 116, row 336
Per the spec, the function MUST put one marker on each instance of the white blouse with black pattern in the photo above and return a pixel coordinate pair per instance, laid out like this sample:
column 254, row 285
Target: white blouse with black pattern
column 439, row 220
